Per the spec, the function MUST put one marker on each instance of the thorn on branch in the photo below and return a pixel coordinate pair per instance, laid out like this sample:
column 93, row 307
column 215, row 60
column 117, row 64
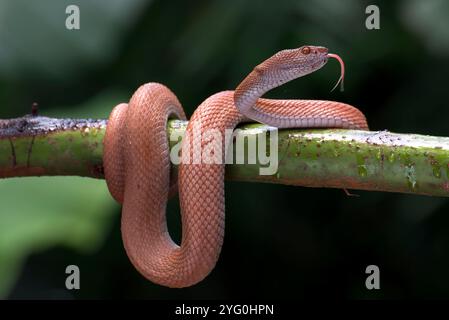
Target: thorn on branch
column 34, row 109
column 349, row 194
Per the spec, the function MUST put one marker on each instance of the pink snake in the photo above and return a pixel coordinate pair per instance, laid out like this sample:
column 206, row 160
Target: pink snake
column 137, row 163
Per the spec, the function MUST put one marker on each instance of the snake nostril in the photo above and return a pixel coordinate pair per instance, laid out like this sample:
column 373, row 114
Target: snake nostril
column 322, row 50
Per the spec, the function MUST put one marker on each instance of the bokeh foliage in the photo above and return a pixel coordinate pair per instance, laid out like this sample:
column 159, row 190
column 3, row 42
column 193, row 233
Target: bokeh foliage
column 281, row 242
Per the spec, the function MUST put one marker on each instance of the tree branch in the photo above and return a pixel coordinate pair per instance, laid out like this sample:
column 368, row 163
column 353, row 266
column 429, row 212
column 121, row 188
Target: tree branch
column 335, row 158
column 41, row 146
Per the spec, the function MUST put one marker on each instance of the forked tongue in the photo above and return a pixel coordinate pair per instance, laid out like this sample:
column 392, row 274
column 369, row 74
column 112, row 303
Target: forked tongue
column 342, row 72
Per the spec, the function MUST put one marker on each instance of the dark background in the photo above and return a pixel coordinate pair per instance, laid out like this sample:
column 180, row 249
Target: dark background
column 281, row 242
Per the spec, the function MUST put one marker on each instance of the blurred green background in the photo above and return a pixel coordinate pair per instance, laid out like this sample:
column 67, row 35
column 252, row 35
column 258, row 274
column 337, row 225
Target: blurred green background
column 281, row 242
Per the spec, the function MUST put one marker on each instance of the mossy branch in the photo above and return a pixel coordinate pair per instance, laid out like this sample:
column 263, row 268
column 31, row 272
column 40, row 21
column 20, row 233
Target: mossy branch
column 336, row 158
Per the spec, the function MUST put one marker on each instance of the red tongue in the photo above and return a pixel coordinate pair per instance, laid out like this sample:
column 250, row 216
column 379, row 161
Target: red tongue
column 342, row 72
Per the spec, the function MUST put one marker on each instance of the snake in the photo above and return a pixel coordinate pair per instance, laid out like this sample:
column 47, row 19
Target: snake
column 137, row 161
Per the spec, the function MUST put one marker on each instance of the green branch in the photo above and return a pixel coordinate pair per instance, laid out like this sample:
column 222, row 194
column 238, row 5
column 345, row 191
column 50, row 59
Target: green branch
column 41, row 146
column 336, row 158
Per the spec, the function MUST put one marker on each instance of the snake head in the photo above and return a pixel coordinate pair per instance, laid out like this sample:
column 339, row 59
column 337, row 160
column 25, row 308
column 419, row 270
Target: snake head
column 290, row 64
column 302, row 60
column 312, row 57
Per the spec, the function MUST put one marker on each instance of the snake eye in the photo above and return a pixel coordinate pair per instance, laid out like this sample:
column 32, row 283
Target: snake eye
column 305, row 50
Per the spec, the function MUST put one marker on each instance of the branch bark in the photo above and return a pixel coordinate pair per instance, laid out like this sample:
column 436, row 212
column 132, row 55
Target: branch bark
column 334, row 158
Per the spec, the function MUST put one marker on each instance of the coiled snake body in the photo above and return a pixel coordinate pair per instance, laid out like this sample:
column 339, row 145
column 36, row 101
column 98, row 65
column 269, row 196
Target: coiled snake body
column 137, row 162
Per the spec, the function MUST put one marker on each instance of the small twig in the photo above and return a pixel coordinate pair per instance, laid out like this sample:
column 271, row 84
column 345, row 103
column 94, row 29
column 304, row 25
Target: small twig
column 34, row 109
